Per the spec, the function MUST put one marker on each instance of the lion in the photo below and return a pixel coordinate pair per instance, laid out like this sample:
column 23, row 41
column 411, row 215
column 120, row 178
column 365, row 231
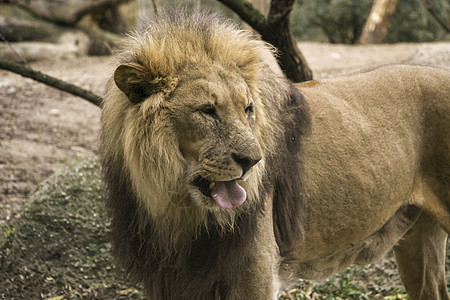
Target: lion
column 226, row 181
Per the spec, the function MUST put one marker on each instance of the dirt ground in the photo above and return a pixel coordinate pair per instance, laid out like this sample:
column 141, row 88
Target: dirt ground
column 43, row 130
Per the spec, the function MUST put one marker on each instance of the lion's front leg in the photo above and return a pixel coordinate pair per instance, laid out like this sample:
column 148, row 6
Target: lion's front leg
column 258, row 281
column 258, row 276
column 420, row 260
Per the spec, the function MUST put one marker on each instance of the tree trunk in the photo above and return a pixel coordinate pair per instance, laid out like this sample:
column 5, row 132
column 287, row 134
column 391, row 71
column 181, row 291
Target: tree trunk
column 278, row 33
column 275, row 29
column 262, row 5
column 379, row 20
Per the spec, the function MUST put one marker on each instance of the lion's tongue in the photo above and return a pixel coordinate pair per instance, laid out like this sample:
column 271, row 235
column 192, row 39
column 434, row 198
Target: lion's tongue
column 228, row 194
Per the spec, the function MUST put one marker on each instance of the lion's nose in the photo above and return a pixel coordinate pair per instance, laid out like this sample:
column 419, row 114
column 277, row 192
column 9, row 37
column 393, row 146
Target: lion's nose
column 245, row 162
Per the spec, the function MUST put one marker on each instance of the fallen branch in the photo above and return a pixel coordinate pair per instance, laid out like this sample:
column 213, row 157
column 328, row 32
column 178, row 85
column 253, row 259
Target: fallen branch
column 51, row 81
column 67, row 12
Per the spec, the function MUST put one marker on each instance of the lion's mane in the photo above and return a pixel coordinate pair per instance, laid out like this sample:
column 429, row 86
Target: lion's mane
column 163, row 236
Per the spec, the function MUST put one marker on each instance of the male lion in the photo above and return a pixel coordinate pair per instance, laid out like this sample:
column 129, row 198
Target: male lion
column 226, row 180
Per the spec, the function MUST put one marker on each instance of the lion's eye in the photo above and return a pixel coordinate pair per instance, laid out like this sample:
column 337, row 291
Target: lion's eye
column 209, row 110
column 249, row 109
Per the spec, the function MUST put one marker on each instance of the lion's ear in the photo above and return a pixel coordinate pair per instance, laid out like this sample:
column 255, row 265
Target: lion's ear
column 138, row 84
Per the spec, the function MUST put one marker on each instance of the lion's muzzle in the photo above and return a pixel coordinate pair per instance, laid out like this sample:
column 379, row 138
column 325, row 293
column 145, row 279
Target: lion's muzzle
column 228, row 194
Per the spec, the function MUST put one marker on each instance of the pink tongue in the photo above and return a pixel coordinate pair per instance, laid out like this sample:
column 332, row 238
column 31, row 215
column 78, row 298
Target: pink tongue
column 228, row 194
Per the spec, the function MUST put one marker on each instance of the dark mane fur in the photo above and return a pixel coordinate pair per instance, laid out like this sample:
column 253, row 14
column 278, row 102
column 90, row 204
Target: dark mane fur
column 201, row 267
column 289, row 205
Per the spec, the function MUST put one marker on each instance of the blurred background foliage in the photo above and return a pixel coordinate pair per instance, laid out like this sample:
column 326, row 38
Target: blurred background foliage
column 333, row 21
column 342, row 21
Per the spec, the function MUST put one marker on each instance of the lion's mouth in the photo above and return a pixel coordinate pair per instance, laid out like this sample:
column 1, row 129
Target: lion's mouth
column 203, row 185
column 227, row 194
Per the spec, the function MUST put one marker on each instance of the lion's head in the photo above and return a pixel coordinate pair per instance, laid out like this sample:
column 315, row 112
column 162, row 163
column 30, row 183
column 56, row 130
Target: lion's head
column 194, row 122
column 204, row 134
column 186, row 115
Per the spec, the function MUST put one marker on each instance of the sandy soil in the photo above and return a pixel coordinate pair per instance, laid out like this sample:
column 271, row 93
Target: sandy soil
column 43, row 130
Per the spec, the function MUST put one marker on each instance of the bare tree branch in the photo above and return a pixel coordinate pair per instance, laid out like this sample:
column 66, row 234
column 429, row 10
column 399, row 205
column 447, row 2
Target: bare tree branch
column 280, row 9
column 275, row 29
column 51, row 81
column 433, row 13
column 278, row 33
column 248, row 13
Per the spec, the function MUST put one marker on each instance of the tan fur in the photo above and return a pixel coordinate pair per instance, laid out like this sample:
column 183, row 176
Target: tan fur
column 376, row 153
column 379, row 140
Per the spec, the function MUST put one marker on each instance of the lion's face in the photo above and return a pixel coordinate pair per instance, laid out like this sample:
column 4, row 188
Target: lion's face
column 214, row 115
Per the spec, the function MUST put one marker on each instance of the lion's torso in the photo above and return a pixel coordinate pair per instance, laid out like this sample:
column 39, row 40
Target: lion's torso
column 361, row 162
